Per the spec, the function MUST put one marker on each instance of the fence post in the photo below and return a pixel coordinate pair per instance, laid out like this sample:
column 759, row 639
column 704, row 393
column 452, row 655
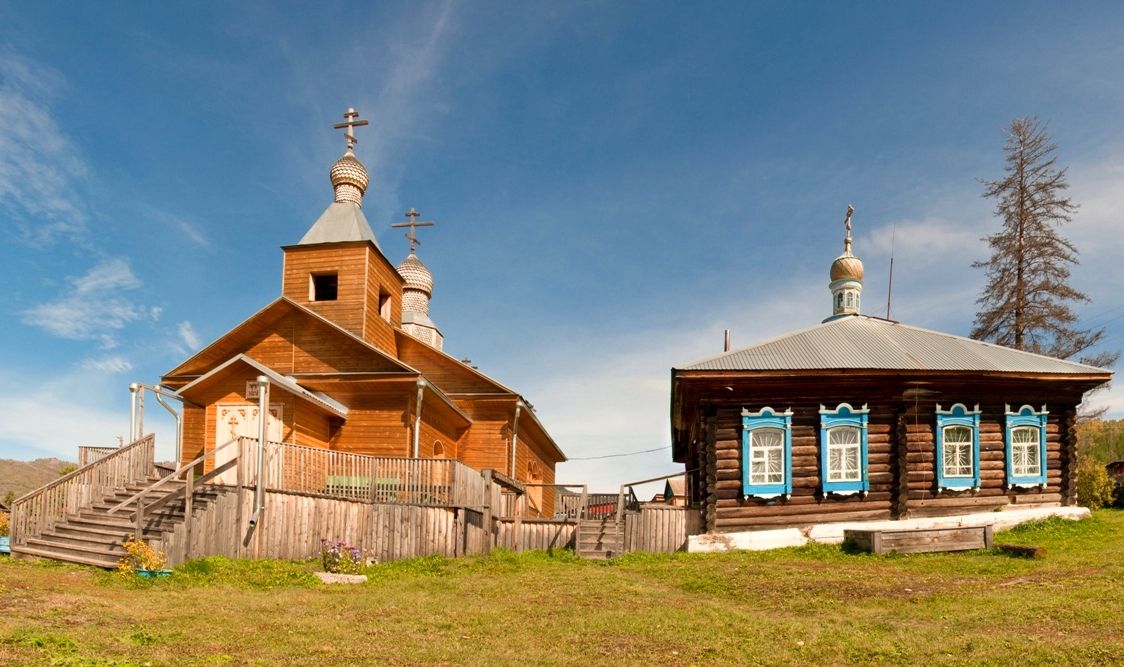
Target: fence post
column 140, row 516
column 517, row 526
column 188, row 495
column 487, row 520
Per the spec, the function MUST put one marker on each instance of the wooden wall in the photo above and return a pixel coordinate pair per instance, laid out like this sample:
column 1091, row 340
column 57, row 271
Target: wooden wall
column 901, row 432
column 349, row 262
column 382, row 278
column 302, row 423
column 378, row 422
column 363, row 275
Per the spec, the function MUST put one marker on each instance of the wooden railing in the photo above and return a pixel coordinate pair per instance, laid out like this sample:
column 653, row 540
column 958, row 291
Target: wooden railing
column 40, row 510
column 88, row 454
column 144, row 509
column 376, row 479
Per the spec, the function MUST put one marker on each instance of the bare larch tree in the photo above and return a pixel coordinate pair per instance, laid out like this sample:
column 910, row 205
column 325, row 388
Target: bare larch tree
column 1026, row 302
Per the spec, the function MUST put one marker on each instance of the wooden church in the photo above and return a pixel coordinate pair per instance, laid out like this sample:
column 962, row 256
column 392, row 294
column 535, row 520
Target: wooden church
column 355, row 363
column 863, row 418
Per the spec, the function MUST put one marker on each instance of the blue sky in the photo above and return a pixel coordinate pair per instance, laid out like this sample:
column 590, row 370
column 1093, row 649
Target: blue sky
column 614, row 183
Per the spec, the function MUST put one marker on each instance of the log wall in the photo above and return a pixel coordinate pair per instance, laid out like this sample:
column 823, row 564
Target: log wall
column 901, row 452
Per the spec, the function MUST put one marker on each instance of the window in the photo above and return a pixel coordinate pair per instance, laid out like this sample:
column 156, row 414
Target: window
column 843, row 449
column 1026, row 446
column 958, row 447
column 384, row 305
column 324, row 287
column 767, row 453
column 843, row 454
column 850, row 299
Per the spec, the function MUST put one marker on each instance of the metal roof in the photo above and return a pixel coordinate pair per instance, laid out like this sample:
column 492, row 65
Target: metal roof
column 340, row 222
column 861, row 342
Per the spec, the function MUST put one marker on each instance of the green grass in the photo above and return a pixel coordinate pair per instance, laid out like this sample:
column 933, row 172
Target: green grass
column 812, row 605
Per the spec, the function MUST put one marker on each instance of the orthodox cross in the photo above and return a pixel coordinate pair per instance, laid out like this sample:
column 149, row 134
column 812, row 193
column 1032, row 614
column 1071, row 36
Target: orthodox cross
column 350, row 122
column 847, row 224
column 413, row 224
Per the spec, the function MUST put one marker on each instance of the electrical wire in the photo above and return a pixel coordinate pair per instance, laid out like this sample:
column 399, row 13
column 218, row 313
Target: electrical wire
column 645, row 451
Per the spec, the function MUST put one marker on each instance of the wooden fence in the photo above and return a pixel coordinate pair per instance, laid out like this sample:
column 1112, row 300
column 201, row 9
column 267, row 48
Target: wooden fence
column 40, row 510
column 659, row 528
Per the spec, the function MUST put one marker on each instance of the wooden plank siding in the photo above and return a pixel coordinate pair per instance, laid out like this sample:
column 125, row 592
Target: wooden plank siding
column 901, row 452
column 290, row 342
column 302, row 423
column 363, row 275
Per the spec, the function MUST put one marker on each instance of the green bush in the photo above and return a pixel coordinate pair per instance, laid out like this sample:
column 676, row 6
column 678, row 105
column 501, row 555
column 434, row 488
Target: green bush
column 1094, row 488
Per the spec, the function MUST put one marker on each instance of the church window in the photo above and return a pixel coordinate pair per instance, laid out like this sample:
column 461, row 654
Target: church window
column 850, row 299
column 384, row 305
column 438, row 450
column 325, row 287
column 843, row 449
column 958, row 447
column 1026, row 446
column 766, row 453
column 839, row 300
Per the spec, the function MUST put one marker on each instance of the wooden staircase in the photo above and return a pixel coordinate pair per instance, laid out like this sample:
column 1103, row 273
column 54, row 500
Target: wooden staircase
column 600, row 538
column 93, row 536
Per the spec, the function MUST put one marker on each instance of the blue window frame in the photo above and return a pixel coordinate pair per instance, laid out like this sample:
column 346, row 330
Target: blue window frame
column 1025, row 438
column 766, row 453
column 958, row 447
column 843, row 449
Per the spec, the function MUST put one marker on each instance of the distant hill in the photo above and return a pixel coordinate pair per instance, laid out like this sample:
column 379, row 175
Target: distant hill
column 24, row 476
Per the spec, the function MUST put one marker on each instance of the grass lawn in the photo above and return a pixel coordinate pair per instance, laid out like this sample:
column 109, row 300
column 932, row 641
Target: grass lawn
column 812, row 605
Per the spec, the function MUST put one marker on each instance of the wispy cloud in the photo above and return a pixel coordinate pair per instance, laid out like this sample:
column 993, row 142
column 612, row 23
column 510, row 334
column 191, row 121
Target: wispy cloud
column 40, row 168
column 108, row 364
column 188, row 336
column 189, row 230
column 94, row 307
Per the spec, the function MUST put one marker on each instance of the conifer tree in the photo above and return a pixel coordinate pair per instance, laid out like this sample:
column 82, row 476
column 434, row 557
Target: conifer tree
column 1026, row 303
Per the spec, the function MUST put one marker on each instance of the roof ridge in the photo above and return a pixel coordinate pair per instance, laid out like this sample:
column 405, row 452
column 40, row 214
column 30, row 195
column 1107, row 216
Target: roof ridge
column 761, row 343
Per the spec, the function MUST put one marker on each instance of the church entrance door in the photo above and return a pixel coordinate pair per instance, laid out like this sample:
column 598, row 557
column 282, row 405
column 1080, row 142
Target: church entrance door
column 233, row 420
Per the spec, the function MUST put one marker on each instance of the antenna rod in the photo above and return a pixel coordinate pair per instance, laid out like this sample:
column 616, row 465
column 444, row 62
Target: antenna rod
column 890, row 287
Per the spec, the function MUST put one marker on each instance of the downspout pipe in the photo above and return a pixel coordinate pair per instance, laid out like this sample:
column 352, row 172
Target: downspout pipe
column 133, row 389
column 179, row 426
column 515, row 437
column 417, row 418
column 263, row 431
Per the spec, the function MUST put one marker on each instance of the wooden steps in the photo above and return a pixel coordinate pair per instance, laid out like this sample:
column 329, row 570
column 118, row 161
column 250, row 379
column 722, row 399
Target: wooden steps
column 599, row 539
column 95, row 537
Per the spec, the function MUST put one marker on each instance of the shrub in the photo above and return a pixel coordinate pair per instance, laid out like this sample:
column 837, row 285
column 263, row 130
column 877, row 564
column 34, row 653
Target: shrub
column 5, row 524
column 341, row 558
column 140, row 556
column 1094, row 488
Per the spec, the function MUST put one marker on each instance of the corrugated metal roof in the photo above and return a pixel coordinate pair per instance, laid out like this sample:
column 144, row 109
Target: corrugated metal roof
column 860, row 342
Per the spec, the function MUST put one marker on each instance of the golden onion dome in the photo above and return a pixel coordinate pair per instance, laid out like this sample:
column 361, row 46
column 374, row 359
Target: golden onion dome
column 349, row 179
column 847, row 267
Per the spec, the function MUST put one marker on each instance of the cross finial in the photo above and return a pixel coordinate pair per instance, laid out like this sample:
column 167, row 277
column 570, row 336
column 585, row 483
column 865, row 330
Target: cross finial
column 413, row 224
column 350, row 122
column 847, row 224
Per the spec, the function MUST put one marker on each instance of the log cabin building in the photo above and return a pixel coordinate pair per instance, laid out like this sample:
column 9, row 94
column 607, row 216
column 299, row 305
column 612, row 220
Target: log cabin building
column 863, row 418
column 355, row 362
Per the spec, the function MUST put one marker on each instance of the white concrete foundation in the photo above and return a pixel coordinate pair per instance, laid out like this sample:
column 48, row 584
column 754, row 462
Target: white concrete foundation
column 832, row 533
